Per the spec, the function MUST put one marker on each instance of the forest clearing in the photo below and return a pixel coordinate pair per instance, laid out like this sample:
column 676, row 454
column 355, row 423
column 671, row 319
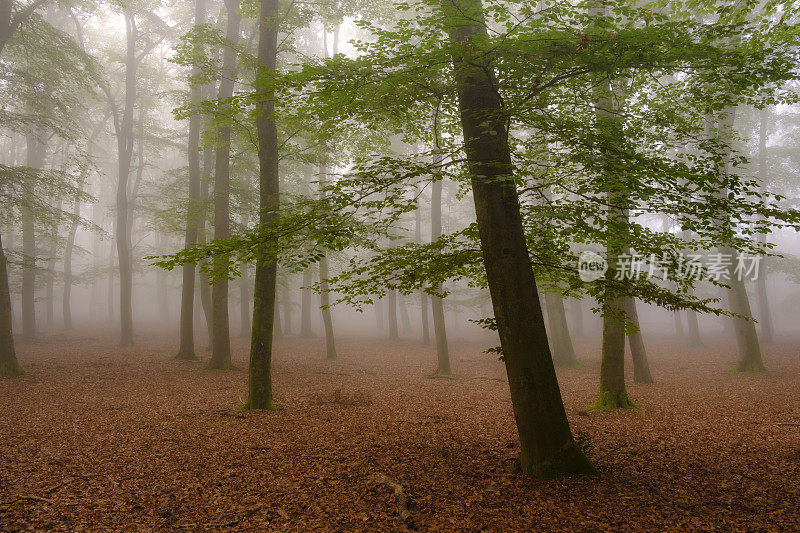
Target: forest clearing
column 143, row 442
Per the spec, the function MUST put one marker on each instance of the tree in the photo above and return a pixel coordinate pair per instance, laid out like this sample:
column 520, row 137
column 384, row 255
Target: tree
column 547, row 448
column 186, row 349
column 220, row 338
column 260, row 376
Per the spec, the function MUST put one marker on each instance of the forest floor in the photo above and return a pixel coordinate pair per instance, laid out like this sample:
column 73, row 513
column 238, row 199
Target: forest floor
column 98, row 437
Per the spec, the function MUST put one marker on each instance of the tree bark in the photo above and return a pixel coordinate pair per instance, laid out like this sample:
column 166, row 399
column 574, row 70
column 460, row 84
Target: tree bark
column 547, row 448
column 220, row 339
column 260, row 376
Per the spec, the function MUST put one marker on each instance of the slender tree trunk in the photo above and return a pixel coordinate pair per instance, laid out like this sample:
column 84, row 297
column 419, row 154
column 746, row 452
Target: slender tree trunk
column 391, row 303
column 66, row 300
column 641, row 366
column 205, row 286
column 765, row 314
column 694, row 328
column 405, row 320
column 327, row 320
column 260, row 376
column 547, row 447
column 34, row 158
column 50, row 298
column 9, row 366
column 305, row 306
column 423, row 297
column 186, row 350
column 287, row 306
column 437, row 306
column 220, row 339
column 378, row 306
column 125, row 140
column 244, row 304
column 563, row 351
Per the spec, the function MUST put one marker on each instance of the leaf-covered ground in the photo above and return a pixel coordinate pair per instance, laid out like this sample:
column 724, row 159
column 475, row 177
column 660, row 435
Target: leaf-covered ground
column 105, row 438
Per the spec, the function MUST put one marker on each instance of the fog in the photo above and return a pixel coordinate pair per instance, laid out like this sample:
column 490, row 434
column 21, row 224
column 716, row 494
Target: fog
column 418, row 252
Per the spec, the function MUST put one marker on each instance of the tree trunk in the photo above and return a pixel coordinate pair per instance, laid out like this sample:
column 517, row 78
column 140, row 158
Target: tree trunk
column 202, row 233
column 641, row 366
column 327, row 321
column 9, row 366
column 125, row 139
column 287, row 306
column 34, row 159
column 305, row 306
column 66, row 302
column 563, row 351
column 694, row 328
column 750, row 359
column 437, row 306
column 260, row 376
column 391, row 303
column 244, row 304
column 765, row 314
column 547, row 447
column 186, row 350
column 423, row 297
column 220, row 339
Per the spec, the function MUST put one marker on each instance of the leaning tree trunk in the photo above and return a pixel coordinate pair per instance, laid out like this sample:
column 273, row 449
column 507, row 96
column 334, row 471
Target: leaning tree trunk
column 641, row 366
column 9, row 366
column 186, row 349
column 220, row 338
column 547, row 447
column 260, row 376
